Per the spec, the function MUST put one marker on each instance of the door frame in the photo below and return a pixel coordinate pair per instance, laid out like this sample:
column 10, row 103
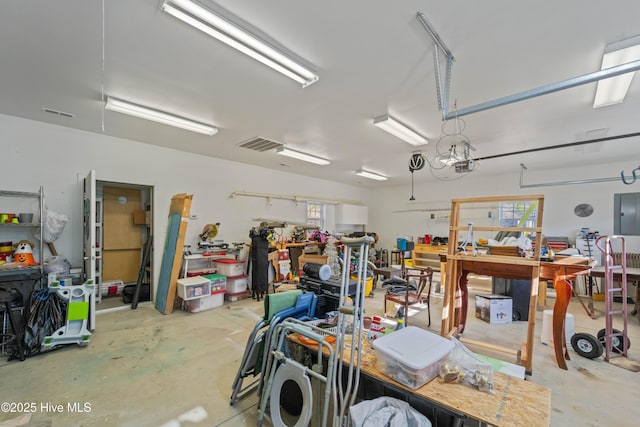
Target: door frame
column 148, row 193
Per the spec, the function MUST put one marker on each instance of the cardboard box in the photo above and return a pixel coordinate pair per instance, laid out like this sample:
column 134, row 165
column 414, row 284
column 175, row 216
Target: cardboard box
column 494, row 308
column 304, row 258
column 141, row 217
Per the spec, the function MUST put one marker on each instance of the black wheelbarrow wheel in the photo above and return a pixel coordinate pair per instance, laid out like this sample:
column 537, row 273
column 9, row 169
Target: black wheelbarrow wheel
column 616, row 341
column 586, row 345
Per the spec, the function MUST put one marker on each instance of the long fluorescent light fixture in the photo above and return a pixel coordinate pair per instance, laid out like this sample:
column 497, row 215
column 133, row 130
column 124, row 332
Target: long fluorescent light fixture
column 302, row 156
column 238, row 38
column 396, row 128
column 613, row 90
column 371, row 175
column 147, row 113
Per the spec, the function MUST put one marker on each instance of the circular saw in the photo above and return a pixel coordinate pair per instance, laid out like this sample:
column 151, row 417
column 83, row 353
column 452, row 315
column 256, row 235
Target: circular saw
column 210, row 231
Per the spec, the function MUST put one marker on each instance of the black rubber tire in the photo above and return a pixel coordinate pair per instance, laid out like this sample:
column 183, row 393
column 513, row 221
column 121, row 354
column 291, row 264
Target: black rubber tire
column 586, row 345
column 616, row 342
column 516, row 315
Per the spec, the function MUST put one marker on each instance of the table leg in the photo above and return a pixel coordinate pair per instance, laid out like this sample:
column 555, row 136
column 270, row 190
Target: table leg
column 636, row 307
column 462, row 301
column 563, row 296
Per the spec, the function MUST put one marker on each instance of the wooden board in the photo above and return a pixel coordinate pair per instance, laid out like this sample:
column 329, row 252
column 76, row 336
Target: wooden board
column 122, row 264
column 172, row 254
column 119, row 230
column 516, row 402
column 626, row 363
column 122, row 239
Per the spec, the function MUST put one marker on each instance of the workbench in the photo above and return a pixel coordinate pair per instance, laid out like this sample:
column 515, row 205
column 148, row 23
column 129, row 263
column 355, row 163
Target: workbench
column 515, row 402
column 206, row 258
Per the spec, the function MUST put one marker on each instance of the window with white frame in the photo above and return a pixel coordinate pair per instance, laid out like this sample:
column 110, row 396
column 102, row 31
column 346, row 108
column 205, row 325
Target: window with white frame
column 314, row 214
column 512, row 213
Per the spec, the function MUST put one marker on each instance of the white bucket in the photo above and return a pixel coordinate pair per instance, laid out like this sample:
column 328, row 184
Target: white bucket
column 546, row 337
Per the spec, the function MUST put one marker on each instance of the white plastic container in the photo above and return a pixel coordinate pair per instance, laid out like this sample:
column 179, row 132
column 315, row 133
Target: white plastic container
column 193, row 287
column 237, row 296
column 230, row 267
column 218, row 282
column 546, row 336
column 411, row 356
column 205, row 303
column 113, row 287
column 237, row 284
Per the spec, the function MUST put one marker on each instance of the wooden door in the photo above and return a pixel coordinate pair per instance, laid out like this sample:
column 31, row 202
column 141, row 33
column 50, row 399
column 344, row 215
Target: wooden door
column 122, row 238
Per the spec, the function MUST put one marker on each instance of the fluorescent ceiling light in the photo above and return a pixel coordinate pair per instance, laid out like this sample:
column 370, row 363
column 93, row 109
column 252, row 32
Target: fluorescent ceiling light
column 395, row 128
column 216, row 26
column 126, row 107
column 613, row 90
column 302, row 156
column 371, row 175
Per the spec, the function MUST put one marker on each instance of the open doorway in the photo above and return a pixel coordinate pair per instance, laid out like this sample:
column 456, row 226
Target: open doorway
column 123, row 231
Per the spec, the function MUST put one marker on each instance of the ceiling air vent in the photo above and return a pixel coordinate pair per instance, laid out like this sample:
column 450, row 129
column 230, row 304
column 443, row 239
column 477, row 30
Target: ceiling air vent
column 260, row 144
column 58, row 112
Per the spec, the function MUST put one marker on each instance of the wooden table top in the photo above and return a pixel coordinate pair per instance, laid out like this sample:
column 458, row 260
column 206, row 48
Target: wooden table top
column 515, row 401
column 632, row 273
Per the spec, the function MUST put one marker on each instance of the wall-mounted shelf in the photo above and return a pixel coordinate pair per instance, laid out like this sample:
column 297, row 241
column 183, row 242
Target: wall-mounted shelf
column 21, row 229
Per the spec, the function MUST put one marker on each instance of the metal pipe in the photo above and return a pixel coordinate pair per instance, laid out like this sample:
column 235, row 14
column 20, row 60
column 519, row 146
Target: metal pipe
column 553, row 147
column 544, row 90
column 295, row 199
column 557, row 183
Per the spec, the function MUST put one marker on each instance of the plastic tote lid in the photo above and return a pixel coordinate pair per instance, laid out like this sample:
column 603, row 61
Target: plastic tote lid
column 229, row 261
column 414, row 347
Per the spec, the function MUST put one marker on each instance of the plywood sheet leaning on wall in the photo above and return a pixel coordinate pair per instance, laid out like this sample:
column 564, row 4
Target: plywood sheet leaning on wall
column 172, row 253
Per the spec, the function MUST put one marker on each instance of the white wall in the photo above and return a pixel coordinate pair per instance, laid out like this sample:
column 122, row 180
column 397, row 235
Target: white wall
column 558, row 217
column 34, row 154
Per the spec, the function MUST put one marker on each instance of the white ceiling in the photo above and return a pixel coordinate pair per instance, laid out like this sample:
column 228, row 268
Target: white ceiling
column 372, row 56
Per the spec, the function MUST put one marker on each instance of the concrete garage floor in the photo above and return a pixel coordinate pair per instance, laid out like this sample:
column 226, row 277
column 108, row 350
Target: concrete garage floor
column 143, row 368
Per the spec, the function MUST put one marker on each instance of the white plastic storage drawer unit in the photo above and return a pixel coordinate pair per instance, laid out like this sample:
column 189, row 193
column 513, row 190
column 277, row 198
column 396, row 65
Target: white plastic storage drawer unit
column 193, row 287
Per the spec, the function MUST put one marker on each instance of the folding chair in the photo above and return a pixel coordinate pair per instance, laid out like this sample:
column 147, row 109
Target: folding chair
column 277, row 307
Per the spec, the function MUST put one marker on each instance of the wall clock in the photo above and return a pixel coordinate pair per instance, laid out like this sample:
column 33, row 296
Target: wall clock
column 583, row 210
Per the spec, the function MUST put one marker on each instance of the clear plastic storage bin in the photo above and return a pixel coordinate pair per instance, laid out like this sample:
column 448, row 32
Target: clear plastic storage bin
column 411, row 356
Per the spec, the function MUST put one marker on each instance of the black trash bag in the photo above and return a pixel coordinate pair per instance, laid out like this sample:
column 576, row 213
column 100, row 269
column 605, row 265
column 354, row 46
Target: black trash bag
column 47, row 314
